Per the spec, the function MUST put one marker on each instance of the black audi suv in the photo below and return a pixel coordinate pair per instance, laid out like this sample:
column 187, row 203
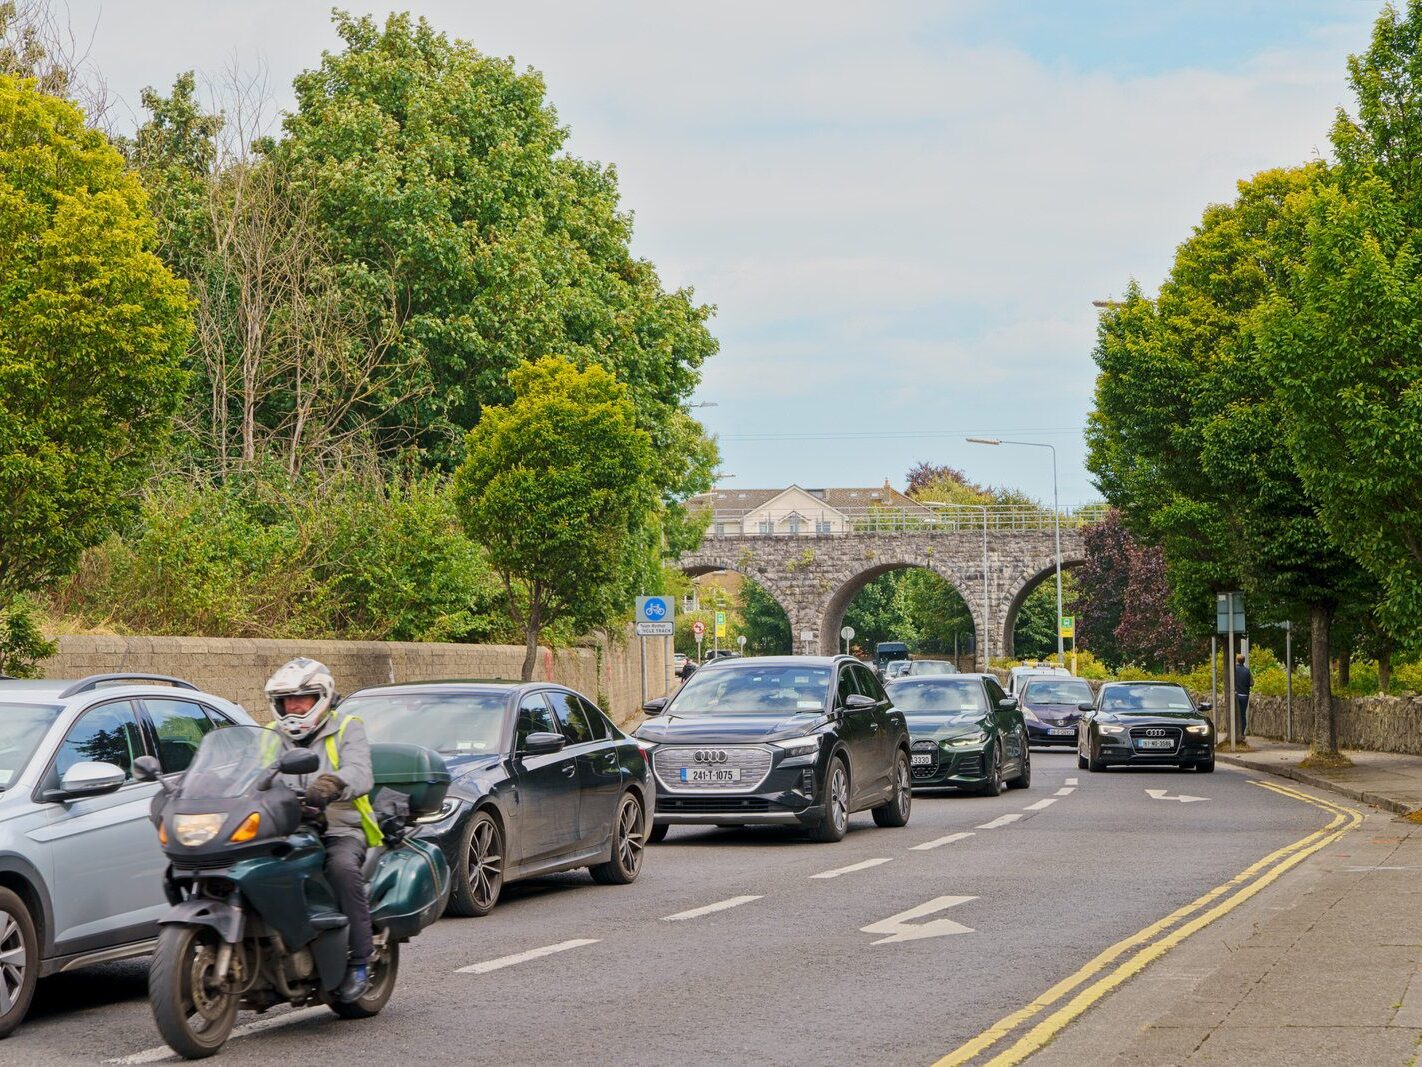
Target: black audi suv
column 790, row 740
column 1145, row 723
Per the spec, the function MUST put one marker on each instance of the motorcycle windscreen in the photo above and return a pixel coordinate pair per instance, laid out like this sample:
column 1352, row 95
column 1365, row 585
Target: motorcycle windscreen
column 409, row 888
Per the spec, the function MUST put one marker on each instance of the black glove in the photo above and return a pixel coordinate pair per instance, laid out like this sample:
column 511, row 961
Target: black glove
column 324, row 790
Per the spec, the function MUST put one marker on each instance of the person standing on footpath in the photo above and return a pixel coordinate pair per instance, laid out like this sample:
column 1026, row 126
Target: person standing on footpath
column 1243, row 683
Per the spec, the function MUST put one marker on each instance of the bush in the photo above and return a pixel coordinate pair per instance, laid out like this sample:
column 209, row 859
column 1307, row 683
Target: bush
column 21, row 643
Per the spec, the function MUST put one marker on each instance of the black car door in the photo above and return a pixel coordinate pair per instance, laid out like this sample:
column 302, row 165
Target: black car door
column 1007, row 721
column 860, row 733
column 884, row 737
column 599, row 773
column 547, row 786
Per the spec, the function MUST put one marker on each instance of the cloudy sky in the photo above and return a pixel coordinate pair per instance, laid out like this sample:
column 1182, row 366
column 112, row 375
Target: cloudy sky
column 902, row 211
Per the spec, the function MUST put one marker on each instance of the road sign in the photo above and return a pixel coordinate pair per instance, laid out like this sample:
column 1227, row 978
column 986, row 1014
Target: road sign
column 720, row 624
column 656, row 609
column 847, row 633
column 1225, row 605
column 656, row 629
column 741, row 640
column 1067, row 627
column 698, row 629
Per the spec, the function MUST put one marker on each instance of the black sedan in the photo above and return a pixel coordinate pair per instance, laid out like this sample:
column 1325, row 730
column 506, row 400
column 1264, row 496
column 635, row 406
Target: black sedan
column 1051, row 707
column 543, row 781
column 1145, row 724
column 967, row 733
column 788, row 740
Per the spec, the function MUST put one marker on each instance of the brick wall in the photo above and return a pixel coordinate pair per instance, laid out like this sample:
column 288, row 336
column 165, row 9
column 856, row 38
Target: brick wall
column 608, row 671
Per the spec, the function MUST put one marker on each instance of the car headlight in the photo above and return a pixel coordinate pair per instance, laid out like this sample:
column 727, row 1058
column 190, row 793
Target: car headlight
column 1110, row 728
column 448, row 808
column 1198, row 728
column 1031, row 716
column 967, row 740
column 799, row 746
column 194, row 830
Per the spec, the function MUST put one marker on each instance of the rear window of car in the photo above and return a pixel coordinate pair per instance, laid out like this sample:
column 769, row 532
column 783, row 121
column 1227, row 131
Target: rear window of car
column 1056, row 691
column 938, row 693
column 458, row 723
column 1145, row 698
column 753, row 690
column 22, row 727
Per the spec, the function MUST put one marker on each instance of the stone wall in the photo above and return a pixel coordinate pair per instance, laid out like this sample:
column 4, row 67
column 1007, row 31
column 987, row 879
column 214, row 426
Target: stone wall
column 608, row 671
column 1372, row 724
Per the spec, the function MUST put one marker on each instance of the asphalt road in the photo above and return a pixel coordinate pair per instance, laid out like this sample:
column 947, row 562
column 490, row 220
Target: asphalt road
column 740, row 946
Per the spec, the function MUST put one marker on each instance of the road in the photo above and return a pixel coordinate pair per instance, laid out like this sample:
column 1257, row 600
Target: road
column 739, row 946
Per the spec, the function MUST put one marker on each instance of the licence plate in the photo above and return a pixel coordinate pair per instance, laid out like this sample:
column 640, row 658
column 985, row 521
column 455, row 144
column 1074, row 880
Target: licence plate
column 1063, row 730
column 922, row 759
column 710, row 775
column 1155, row 742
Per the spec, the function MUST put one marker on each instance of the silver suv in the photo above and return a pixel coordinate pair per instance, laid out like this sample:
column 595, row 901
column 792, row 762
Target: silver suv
column 81, row 874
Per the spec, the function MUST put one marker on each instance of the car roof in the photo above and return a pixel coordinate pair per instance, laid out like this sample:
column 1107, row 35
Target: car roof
column 1144, row 681
column 458, row 685
column 941, row 677
column 55, row 688
column 804, row 661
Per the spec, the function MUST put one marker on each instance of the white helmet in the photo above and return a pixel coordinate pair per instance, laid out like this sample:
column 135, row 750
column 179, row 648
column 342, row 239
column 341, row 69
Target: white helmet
column 301, row 677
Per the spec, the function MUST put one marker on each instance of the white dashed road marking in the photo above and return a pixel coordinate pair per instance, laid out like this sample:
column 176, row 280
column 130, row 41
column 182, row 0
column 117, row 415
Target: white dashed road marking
column 864, row 866
column 709, row 909
column 163, row 1052
column 1001, row 820
column 523, row 957
column 939, row 841
column 1065, row 792
column 1040, row 805
column 1071, row 781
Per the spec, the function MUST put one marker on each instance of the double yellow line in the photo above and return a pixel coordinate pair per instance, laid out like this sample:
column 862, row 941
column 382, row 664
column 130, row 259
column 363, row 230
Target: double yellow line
column 1130, row 956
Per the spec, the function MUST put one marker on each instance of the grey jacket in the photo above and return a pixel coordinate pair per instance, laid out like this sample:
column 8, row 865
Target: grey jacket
column 354, row 751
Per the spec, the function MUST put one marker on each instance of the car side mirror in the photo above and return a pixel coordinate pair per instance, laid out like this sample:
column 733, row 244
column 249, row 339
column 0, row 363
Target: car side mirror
column 1085, row 705
column 655, row 707
column 1008, row 703
column 542, row 744
column 299, row 761
column 859, row 702
column 89, row 779
column 147, row 768
column 1206, row 705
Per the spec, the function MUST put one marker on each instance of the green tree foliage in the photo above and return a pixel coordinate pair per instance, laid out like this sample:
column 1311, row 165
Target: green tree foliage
column 934, row 616
column 22, row 645
column 92, row 331
column 558, row 487
column 767, row 628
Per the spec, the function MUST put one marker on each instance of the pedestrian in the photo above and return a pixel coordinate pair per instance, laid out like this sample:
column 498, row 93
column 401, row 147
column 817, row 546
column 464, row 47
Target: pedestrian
column 1243, row 683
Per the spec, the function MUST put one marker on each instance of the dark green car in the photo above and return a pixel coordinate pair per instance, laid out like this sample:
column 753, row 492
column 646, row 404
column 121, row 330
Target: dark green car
column 965, row 731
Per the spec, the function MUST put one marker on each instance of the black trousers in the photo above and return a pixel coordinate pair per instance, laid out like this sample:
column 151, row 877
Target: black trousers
column 345, row 856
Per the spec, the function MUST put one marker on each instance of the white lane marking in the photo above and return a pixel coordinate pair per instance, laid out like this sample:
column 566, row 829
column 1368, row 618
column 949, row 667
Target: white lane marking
column 524, row 957
column 1072, row 781
column 1040, row 805
column 163, row 1052
column 939, row 841
column 1065, row 792
column 864, row 866
column 899, row 928
column 696, row 913
column 1161, row 794
column 1001, row 820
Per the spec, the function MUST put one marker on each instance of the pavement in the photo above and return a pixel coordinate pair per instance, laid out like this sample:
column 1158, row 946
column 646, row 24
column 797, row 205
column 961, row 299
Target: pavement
column 1386, row 780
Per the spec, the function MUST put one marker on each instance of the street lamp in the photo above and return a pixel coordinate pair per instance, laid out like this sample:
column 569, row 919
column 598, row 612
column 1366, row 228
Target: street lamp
column 987, row 608
column 1056, row 524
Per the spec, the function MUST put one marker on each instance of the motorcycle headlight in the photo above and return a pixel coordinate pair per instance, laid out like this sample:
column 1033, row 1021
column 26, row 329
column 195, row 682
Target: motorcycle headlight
column 194, row 830
column 967, row 741
column 799, row 746
column 448, row 808
column 1110, row 728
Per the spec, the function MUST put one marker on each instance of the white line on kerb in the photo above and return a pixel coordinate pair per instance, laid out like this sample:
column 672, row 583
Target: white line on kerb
column 1071, row 781
column 696, row 913
column 1040, row 805
column 1065, row 792
column 1001, row 820
column 524, row 957
column 939, row 841
column 162, row 1053
column 865, row 865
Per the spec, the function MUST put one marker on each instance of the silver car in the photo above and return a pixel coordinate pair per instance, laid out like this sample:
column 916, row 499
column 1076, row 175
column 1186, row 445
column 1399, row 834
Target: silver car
column 81, row 874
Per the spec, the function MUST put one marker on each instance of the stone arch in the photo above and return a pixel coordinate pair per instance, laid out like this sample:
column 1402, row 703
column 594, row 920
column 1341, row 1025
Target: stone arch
column 830, row 616
column 695, row 565
column 1020, row 590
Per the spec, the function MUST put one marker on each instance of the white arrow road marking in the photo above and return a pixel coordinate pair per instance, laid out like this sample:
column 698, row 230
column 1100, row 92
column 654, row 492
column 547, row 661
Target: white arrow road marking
column 1040, row 805
column 1161, row 794
column 696, row 913
column 1065, row 791
column 524, row 957
column 901, row 928
column 939, row 841
column 1001, row 820
column 864, row 866
column 271, row 1022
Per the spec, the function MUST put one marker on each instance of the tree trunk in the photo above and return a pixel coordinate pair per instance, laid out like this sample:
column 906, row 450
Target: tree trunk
column 1384, row 670
column 1325, row 723
column 531, row 631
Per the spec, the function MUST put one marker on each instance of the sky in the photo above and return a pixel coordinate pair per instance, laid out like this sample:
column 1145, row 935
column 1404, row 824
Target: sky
column 902, row 211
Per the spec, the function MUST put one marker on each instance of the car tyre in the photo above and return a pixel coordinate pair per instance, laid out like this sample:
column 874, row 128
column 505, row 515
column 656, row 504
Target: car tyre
column 994, row 785
column 19, row 960
column 1023, row 780
column 1080, row 762
column 834, row 823
column 1094, row 762
column 629, row 838
column 658, row 833
column 193, row 1019
column 895, row 811
column 1206, row 766
column 479, row 872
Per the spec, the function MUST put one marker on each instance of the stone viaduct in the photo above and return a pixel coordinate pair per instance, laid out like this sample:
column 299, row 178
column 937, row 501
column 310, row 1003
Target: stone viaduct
column 814, row 578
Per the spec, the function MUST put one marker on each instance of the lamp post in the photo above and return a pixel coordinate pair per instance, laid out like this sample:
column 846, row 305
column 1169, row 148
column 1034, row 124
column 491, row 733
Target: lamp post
column 987, row 610
column 1056, row 524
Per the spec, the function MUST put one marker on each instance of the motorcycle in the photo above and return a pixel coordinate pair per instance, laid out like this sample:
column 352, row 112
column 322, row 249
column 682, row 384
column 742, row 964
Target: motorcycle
column 253, row 922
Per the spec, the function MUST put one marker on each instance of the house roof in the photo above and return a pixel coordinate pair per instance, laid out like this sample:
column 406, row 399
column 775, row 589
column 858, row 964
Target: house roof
column 840, row 498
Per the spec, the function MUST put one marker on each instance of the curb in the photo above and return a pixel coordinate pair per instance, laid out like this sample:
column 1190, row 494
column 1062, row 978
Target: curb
column 1377, row 800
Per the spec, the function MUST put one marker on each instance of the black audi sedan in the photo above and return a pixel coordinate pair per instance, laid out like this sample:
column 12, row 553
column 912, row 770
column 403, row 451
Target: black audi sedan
column 789, row 740
column 1145, row 724
column 1051, row 707
column 967, row 733
column 543, row 781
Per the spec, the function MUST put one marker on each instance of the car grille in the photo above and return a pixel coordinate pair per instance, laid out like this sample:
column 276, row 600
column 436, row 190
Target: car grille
column 926, row 770
column 1171, row 733
column 712, row 805
column 753, row 761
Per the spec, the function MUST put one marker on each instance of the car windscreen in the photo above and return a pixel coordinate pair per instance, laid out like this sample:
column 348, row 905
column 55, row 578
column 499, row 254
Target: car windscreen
column 22, row 727
column 457, row 723
column 1057, row 691
column 753, row 690
column 939, row 695
column 932, row 666
column 1145, row 698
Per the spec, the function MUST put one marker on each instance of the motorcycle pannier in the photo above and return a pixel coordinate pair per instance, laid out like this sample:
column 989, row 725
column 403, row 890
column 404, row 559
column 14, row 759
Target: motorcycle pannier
column 414, row 770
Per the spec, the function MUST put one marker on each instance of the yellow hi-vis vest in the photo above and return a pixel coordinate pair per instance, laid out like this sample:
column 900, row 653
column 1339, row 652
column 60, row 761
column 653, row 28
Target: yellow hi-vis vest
column 373, row 834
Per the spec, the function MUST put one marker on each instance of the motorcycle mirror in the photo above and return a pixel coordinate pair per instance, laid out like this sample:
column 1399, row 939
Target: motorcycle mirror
column 299, row 761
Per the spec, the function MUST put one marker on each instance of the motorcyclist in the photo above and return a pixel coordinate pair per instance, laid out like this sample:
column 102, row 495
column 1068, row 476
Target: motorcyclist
column 301, row 695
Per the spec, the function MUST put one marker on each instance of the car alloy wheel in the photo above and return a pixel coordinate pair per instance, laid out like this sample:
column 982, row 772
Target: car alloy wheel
column 835, row 822
column 628, row 840
column 479, row 873
column 895, row 811
column 18, row 972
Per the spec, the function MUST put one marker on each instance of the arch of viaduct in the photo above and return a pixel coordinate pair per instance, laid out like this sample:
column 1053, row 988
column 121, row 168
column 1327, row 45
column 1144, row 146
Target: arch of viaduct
column 814, row 578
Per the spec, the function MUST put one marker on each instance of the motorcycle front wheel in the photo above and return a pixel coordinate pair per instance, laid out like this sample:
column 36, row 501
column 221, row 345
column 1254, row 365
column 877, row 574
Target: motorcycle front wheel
column 193, row 1012
column 383, row 971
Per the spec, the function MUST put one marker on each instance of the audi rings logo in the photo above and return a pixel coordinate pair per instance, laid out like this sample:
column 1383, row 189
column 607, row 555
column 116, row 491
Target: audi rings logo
column 710, row 755
column 1155, row 733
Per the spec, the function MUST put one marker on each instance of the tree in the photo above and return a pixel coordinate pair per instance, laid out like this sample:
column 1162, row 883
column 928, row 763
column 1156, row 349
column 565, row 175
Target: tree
column 934, row 616
column 556, row 486
column 767, row 628
column 91, row 338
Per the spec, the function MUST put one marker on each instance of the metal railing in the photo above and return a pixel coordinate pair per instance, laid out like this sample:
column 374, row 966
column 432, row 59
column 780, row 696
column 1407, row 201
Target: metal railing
column 729, row 523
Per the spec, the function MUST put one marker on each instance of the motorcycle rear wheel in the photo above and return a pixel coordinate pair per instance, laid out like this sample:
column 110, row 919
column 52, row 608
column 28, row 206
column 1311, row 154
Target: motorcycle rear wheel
column 194, row 1018
column 384, row 969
